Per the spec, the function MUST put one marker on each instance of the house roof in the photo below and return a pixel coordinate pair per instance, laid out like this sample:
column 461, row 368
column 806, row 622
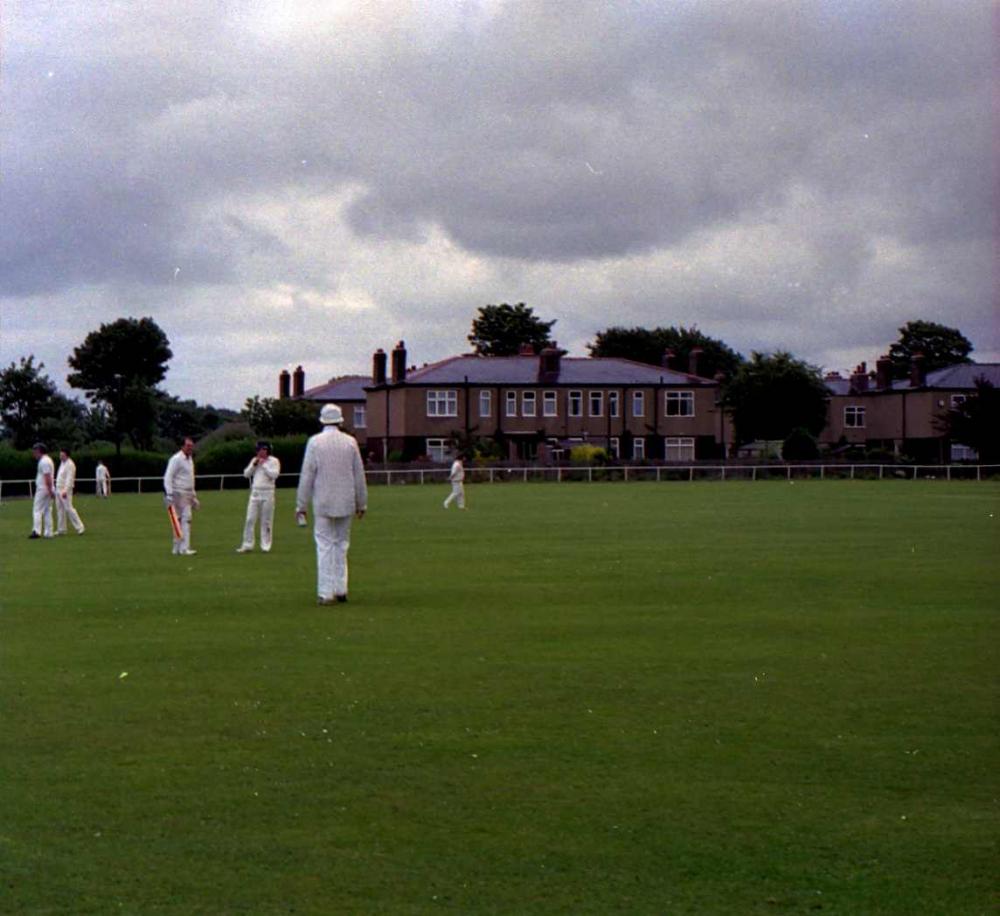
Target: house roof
column 524, row 370
column 962, row 375
column 342, row 388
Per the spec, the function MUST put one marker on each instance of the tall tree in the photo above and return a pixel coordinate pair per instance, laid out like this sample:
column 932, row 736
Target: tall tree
column 645, row 345
column 500, row 330
column 941, row 346
column 119, row 365
column 976, row 422
column 773, row 394
column 281, row 416
column 32, row 409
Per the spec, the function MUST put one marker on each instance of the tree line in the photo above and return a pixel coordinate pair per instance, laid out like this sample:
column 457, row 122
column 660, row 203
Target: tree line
column 120, row 366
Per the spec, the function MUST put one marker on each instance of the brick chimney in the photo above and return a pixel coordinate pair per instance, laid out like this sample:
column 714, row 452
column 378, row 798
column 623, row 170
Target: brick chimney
column 693, row 360
column 549, row 363
column 859, row 378
column 284, row 384
column 298, row 382
column 526, row 349
column 918, row 372
column 883, row 372
column 378, row 367
column 399, row 363
column 667, row 360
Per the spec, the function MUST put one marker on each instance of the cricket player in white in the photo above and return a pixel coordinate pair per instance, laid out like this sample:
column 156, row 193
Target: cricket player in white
column 45, row 492
column 262, row 473
column 65, row 482
column 180, row 497
column 457, row 478
column 333, row 480
column 102, row 477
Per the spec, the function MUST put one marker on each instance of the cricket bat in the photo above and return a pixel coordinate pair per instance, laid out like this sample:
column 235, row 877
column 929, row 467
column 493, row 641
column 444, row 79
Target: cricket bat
column 175, row 523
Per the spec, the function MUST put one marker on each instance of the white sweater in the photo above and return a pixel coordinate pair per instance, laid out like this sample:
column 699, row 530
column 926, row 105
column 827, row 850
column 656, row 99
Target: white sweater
column 333, row 476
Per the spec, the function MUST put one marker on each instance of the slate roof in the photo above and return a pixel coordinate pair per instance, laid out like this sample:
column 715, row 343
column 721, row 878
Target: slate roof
column 343, row 388
column 963, row 375
column 523, row 370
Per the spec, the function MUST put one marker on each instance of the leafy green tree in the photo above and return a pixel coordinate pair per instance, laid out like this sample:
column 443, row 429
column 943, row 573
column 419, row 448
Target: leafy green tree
column 976, row 422
column 501, row 330
column 772, row 394
column 281, row 416
column 32, row 409
column 119, row 365
column 940, row 345
column 800, row 445
column 645, row 345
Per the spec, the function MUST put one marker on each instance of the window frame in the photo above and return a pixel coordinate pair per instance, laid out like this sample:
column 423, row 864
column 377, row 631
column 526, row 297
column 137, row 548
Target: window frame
column 485, row 399
column 639, row 399
column 529, row 397
column 682, row 400
column 550, row 398
column 448, row 397
column 575, row 404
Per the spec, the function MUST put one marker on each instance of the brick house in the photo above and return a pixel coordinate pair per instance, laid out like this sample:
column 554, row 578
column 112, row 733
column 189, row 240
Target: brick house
column 348, row 391
column 902, row 415
column 536, row 406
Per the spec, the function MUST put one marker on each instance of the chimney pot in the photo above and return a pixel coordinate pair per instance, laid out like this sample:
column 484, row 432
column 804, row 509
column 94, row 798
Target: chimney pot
column 693, row 360
column 378, row 367
column 399, row 363
column 284, row 384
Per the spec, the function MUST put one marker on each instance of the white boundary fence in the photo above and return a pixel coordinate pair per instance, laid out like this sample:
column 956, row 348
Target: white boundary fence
column 625, row 473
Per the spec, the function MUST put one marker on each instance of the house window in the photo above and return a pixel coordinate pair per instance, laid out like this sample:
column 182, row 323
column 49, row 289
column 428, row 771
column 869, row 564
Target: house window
column 638, row 403
column 360, row 418
column 613, row 408
column 511, row 404
column 597, row 403
column 854, row 417
column 614, row 448
column 442, row 403
column 679, row 448
column 437, row 450
column 576, row 403
column 638, row 449
column 957, row 400
column 549, row 406
column 680, row 403
column 528, row 404
column 486, row 403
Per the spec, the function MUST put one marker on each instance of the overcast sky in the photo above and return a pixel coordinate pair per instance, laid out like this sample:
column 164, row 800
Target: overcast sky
column 302, row 181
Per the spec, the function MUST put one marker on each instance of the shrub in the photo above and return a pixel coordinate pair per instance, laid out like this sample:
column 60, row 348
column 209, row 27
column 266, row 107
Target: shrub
column 587, row 454
column 800, row 445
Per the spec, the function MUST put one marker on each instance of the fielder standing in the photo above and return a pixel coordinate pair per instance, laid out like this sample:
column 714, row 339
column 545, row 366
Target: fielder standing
column 65, row 482
column 180, row 497
column 457, row 478
column 102, row 478
column 45, row 493
column 333, row 480
column 262, row 472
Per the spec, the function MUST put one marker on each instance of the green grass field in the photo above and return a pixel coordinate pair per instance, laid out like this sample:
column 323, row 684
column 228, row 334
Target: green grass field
column 717, row 698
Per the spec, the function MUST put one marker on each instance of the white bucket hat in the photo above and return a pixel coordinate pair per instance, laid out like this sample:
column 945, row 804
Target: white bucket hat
column 331, row 415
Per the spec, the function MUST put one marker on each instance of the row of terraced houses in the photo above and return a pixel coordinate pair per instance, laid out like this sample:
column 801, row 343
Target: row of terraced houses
column 536, row 406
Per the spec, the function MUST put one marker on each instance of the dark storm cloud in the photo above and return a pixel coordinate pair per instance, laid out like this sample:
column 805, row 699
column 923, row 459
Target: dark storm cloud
column 184, row 145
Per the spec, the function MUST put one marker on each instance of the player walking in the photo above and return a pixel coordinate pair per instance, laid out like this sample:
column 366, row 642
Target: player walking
column 65, row 482
column 457, row 477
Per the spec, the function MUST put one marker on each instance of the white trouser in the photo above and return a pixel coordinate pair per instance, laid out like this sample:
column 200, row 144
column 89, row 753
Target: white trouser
column 261, row 506
column 457, row 492
column 42, row 513
column 184, row 506
column 333, row 539
column 102, row 489
column 64, row 508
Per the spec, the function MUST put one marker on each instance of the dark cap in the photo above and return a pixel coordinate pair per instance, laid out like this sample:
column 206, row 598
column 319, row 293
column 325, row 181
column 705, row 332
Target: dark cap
column 263, row 443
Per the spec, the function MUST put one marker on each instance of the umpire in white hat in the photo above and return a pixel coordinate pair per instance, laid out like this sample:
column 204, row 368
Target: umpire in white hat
column 333, row 481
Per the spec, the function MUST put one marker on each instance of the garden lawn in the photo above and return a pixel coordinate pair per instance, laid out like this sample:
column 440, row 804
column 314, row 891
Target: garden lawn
column 675, row 698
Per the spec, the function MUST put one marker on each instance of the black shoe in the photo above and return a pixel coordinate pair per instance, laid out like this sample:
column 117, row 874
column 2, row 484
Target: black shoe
column 33, row 535
column 342, row 599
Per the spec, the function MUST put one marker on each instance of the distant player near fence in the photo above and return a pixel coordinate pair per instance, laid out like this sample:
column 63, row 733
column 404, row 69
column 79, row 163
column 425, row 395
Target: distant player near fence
column 102, row 480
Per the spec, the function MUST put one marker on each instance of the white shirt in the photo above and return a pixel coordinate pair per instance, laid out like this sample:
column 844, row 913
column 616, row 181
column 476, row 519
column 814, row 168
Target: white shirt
column 457, row 474
column 45, row 466
column 333, row 476
column 179, row 475
column 66, row 478
column 263, row 474
column 102, row 472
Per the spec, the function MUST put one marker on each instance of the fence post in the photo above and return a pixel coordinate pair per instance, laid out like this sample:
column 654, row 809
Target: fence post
column 139, row 490
column 421, row 478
